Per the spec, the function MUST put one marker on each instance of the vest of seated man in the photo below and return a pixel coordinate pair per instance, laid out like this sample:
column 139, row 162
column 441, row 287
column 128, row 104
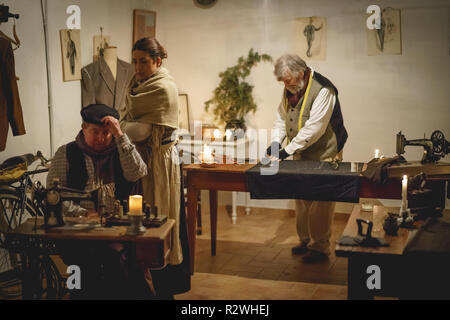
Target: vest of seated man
column 335, row 136
column 77, row 175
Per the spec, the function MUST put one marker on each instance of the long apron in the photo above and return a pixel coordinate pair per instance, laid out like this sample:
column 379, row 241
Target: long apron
column 161, row 187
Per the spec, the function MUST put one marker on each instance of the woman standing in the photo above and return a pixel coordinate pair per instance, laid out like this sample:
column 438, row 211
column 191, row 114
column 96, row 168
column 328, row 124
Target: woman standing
column 150, row 118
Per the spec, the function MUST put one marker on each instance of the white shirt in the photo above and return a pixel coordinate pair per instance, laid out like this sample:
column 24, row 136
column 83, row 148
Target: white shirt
column 315, row 126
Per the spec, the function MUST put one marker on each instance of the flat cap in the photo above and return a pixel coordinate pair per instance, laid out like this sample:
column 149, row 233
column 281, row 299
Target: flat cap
column 94, row 113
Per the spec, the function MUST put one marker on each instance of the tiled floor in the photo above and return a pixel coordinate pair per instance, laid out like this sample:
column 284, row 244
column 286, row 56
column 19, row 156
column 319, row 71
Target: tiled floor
column 254, row 260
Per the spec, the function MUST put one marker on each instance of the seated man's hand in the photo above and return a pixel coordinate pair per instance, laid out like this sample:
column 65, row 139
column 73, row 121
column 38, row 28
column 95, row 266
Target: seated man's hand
column 112, row 124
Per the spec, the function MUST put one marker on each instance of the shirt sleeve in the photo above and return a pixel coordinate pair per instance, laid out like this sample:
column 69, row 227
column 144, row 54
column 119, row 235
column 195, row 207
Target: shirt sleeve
column 279, row 127
column 131, row 161
column 58, row 168
column 315, row 126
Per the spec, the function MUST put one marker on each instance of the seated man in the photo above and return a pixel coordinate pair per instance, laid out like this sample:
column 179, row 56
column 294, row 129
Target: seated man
column 100, row 157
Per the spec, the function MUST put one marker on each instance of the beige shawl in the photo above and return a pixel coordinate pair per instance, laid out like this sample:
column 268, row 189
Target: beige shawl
column 154, row 101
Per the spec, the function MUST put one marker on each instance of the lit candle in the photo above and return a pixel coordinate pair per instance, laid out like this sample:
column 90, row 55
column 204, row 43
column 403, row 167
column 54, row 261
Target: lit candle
column 135, row 205
column 217, row 134
column 377, row 153
column 404, row 191
column 207, row 154
column 228, row 134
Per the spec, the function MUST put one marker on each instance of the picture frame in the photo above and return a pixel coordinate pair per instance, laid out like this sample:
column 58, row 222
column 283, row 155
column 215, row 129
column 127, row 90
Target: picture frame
column 144, row 24
column 183, row 114
column 388, row 39
column 70, row 54
column 311, row 38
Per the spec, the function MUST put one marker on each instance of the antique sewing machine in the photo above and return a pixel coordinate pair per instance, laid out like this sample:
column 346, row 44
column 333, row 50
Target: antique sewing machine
column 434, row 149
column 51, row 201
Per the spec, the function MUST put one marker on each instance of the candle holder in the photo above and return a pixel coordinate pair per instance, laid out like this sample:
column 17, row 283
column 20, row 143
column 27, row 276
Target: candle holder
column 207, row 159
column 136, row 227
column 207, row 165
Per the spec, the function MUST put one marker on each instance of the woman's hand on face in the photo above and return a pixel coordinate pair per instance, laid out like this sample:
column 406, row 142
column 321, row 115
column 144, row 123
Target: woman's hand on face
column 112, row 124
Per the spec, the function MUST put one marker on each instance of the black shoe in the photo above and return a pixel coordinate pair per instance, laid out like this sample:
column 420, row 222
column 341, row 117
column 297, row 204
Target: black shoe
column 314, row 257
column 300, row 249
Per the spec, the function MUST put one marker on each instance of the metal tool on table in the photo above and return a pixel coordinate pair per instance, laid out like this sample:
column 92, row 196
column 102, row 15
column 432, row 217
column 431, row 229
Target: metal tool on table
column 151, row 218
column 363, row 239
column 435, row 148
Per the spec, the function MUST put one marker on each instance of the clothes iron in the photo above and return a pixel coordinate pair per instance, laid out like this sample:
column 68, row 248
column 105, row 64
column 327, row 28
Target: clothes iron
column 363, row 239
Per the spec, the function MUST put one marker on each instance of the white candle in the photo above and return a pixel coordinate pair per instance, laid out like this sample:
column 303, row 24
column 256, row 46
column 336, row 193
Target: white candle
column 135, row 205
column 207, row 154
column 217, row 134
column 228, row 134
column 377, row 153
column 404, row 191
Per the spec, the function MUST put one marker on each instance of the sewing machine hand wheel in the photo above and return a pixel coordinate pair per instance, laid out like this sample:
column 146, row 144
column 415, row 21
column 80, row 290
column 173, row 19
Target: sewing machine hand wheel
column 360, row 228
column 437, row 137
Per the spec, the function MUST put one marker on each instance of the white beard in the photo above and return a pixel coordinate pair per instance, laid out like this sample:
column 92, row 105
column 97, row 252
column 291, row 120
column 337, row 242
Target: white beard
column 296, row 88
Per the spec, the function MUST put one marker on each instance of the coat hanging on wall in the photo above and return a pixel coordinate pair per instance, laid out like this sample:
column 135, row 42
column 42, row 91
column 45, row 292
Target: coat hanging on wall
column 10, row 106
column 99, row 86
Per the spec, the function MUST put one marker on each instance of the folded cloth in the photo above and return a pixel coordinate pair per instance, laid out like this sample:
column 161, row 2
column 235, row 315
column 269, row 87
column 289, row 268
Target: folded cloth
column 13, row 173
column 377, row 168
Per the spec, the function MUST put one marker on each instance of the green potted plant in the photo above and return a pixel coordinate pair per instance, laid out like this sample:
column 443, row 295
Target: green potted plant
column 233, row 98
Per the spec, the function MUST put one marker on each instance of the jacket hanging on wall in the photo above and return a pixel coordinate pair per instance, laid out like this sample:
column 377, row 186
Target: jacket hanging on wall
column 10, row 107
column 98, row 84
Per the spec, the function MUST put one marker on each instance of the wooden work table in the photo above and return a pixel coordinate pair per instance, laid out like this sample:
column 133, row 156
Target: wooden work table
column 232, row 177
column 389, row 259
column 150, row 249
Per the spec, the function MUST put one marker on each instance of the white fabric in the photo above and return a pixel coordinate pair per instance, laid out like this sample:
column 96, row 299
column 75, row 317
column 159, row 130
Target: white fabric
column 315, row 126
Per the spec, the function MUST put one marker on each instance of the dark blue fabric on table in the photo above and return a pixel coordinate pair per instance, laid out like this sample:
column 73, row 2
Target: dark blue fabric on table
column 307, row 180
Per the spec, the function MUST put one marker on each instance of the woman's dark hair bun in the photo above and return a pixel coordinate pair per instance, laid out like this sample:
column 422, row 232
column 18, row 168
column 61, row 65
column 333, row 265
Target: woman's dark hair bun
column 151, row 46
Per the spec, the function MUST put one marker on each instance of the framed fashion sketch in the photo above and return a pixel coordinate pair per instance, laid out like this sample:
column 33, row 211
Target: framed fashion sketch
column 144, row 24
column 388, row 39
column 71, row 54
column 183, row 113
column 311, row 38
column 100, row 42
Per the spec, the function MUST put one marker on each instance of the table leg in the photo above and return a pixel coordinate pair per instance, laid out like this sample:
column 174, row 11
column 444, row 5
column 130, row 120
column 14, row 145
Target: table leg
column 233, row 207
column 192, row 195
column 213, row 214
column 247, row 208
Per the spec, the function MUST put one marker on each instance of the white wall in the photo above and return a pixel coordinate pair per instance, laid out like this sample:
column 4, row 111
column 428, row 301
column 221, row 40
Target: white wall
column 380, row 95
column 115, row 16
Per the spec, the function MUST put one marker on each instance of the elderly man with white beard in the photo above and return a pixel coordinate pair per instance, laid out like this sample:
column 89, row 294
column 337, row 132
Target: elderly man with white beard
column 310, row 116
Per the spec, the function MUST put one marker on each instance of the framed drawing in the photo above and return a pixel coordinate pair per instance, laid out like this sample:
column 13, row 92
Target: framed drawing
column 71, row 54
column 183, row 114
column 311, row 38
column 388, row 39
column 144, row 24
column 100, row 42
